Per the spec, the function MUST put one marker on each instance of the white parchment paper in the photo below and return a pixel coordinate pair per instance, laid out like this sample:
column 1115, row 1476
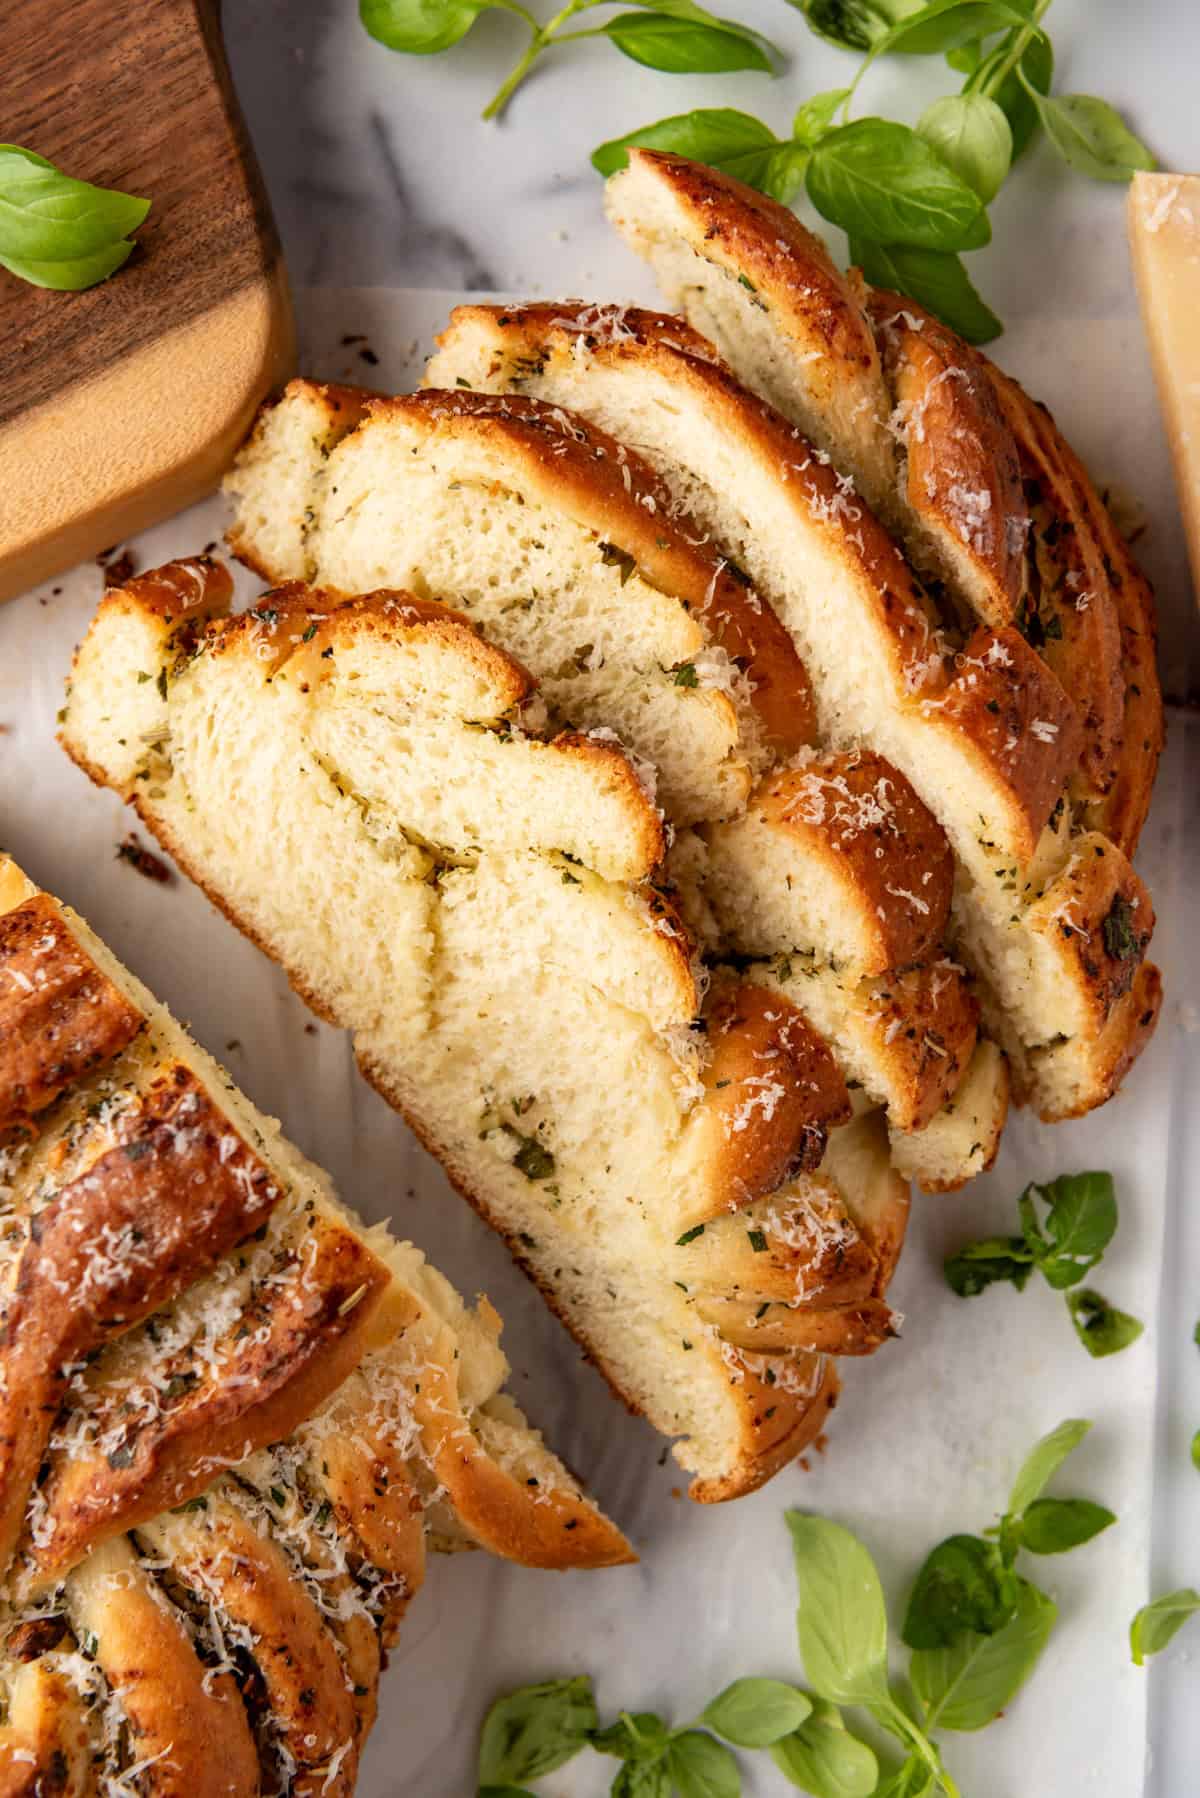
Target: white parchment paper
column 929, row 1432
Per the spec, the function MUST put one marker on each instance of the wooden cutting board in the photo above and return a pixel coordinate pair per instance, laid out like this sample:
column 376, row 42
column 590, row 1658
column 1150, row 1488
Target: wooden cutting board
column 122, row 404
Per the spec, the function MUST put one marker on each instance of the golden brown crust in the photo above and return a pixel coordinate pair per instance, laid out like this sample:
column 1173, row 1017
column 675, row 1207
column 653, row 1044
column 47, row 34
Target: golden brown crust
column 573, row 467
column 801, row 1243
column 374, row 1500
column 299, row 1344
column 175, row 1193
column 773, row 1329
column 962, row 480
column 1100, row 918
column 1069, row 613
column 856, row 813
column 176, row 1713
column 764, row 246
column 772, row 1092
column 1101, row 1064
column 786, row 1406
column 45, row 1749
column 229, row 1562
column 60, row 1017
column 923, row 1023
column 1013, row 719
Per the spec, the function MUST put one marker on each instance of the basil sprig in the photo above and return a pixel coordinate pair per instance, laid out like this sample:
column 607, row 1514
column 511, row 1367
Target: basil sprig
column 976, row 1627
column 58, row 232
column 913, row 199
column 677, row 36
column 1080, row 1222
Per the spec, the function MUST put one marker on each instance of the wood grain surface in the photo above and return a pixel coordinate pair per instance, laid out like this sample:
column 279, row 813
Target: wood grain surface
column 119, row 404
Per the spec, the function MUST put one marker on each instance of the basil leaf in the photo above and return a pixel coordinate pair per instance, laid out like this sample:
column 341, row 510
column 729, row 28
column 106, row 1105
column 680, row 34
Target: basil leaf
column 945, row 25
column 1051, row 1526
column 1013, row 97
column 915, row 1779
column 1196, row 1451
column 682, row 46
column 636, row 1735
column 753, row 1713
column 996, row 1258
column 70, row 277
column 46, row 216
column 816, row 116
column 878, row 179
column 420, row 27
column 688, row 9
column 1093, row 137
column 966, row 1684
column 727, row 140
column 1081, row 1223
column 971, row 133
column 855, row 24
column 702, row 1768
column 642, row 1779
column 966, row 58
column 1102, row 1329
column 824, row 1759
column 963, row 1585
column 535, row 1729
column 1156, row 1623
column 1043, row 1461
column 841, row 1620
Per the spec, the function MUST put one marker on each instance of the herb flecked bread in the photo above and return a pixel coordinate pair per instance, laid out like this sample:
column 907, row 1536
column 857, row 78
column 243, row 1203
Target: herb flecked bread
column 671, row 1151
column 230, row 1417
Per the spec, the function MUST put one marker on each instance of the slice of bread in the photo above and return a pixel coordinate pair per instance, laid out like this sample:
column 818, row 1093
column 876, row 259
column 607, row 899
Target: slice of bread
column 540, row 1025
column 244, row 1417
column 563, row 547
column 749, row 264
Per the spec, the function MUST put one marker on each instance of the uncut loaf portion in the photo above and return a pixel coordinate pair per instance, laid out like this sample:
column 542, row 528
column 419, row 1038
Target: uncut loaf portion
column 1017, row 690
column 245, row 1415
column 828, row 858
column 686, row 1177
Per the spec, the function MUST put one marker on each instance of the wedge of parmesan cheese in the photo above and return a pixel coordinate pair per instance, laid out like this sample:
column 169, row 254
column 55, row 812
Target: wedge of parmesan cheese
column 1164, row 235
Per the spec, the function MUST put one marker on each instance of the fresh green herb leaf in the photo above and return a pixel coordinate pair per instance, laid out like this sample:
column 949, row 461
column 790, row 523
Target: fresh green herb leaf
column 642, row 1779
column 972, row 134
column 58, row 232
column 855, row 24
column 879, row 180
column 1102, row 1329
column 815, row 118
column 1081, row 1223
column 915, row 1779
column 702, row 1768
column 727, row 140
column 966, row 1684
column 420, row 27
column 636, row 1735
column 1092, row 136
column 682, row 46
column 841, row 1620
column 1051, row 1526
column 753, row 1713
column 1043, row 1461
column 964, row 1585
column 1196, row 1451
column 535, row 1729
column 824, row 1759
column 1156, row 1623
column 981, row 1264
column 1035, row 70
column 944, row 25
column 934, row 278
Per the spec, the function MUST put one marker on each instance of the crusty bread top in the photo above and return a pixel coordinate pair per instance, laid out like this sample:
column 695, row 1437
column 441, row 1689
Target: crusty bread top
column 764, row 246
column 572, row 467
column 962, row 482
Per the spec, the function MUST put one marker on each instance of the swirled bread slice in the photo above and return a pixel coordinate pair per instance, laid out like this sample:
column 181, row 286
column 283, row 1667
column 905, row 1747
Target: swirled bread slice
column 834, row 858
column 180, row 1286
column 349, row 1405
column 538, row 1022
column 560, row 544
column 1059, row 1013
column 234, row 1643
